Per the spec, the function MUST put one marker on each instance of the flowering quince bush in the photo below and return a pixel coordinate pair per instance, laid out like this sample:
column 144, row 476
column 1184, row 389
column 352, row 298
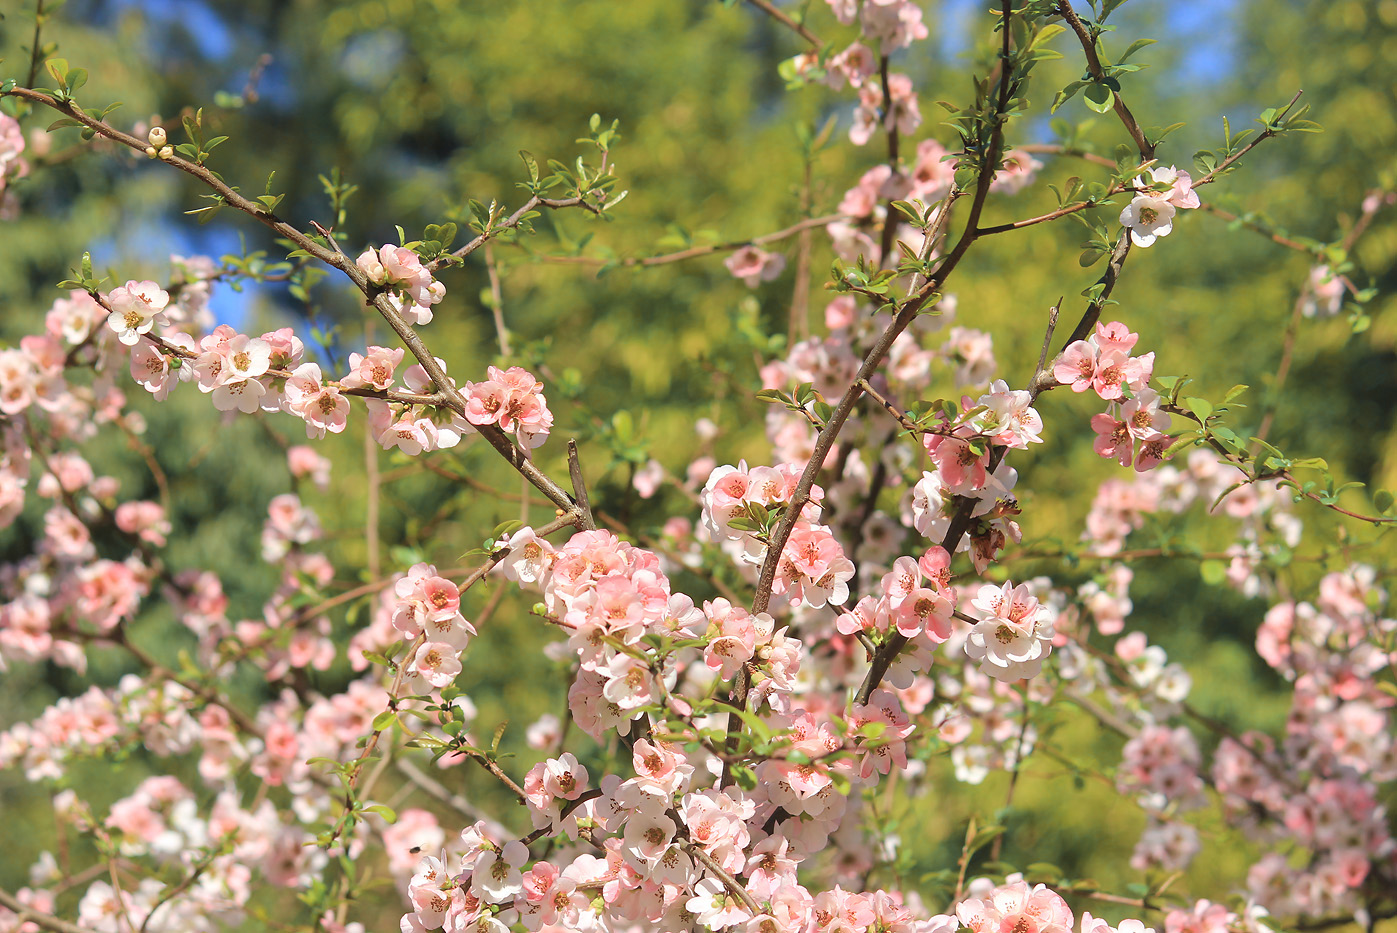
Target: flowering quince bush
column 731, row 749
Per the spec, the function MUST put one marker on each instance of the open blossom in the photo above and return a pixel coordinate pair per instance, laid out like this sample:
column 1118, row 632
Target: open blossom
column 1018, row 908
column 813, row 569
column 322, row 407
column 1013, row 637
column 1324, row 295
column 1148, row 218
column 1180, row 192
column 512, row 399
column 1016, row 172
column 961, row 461
column 1103, row 363
column 136, row 308
column 413, row 290
column 754, row 265
column 374, row 370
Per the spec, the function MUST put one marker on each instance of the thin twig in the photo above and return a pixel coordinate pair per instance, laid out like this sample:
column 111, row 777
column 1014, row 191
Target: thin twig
column 496, row 300
column 43, row 920
column 798, row 28
column 729, row 882
column 36, row 50
column 693, row 252
column 579, row 487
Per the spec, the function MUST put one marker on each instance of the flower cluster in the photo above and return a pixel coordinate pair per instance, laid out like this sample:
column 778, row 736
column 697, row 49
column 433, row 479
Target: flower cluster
column 1103, row 364
column 1150, row 214
column 411, row 288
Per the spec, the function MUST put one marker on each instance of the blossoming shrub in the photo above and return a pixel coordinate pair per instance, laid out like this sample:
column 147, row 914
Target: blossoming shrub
column 749, row 694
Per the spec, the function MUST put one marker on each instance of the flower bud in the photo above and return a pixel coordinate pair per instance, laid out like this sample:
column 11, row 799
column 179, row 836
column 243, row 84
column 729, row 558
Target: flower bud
column 167, row 152
column 150, row 151
column 157, row 136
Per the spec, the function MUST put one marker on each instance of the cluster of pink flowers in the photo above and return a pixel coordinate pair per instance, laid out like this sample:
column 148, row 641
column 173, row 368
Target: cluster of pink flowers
column 1014, row 637
column 268, row 373
column 601, row 589
column 902, row 113
column 917, row 600
column 429, row 609
column 411, row 288
column 513, row 400
column 1103, row 364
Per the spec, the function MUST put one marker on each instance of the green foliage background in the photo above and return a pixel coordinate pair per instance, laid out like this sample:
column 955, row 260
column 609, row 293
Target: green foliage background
column 424, row 103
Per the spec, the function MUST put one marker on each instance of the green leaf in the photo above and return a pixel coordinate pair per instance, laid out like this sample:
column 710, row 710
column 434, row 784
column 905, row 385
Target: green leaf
column 1382, row 500
column 1200, row 407
column 382, row 810
column 58, row 67
column 1100, row 98
column 384, row 719
column 1134, row 47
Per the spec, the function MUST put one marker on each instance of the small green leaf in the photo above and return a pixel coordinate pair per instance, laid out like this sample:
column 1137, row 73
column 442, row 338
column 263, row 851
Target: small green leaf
column 1100, row 98
column 382, row 810
column 1200, row 407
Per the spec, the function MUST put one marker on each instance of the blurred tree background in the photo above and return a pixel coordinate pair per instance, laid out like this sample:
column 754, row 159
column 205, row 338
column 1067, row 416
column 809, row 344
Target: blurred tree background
column 424, row 104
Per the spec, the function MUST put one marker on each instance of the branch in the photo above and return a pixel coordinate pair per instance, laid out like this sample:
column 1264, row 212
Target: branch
column 44, row 921
column 333, row 258
column 1261, row 137
column 884, row 658
column 496, row 300
column 799, row 28
column 1094, row 68
column 434, row 788
column 695, row 251
column 1055, row 149
column 729, row 882
column 36, row 50
column 509, row 223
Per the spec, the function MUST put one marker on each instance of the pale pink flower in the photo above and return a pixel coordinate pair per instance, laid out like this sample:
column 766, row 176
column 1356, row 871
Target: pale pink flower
column 754, row 265
column 1148, row 218
column 136, row 308
column 437, row 663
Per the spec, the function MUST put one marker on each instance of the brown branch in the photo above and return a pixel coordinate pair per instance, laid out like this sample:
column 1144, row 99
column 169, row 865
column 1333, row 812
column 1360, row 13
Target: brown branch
column 693, row 252
column 729, row 882
column 890, row 214
column 1261, row 137
column 496, row 300
column 509, row 223
column 1292, row 329
column 1094, row 68
column 434, row 788
column 907, row 423
column 798, row 28
column 36, row 50
column 1256, row 227
column 1055, row 149
column 43, row 920
column 1052, row 215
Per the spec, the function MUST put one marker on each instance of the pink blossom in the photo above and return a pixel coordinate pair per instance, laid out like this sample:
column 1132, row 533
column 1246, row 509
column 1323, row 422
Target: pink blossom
column 754, row 265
